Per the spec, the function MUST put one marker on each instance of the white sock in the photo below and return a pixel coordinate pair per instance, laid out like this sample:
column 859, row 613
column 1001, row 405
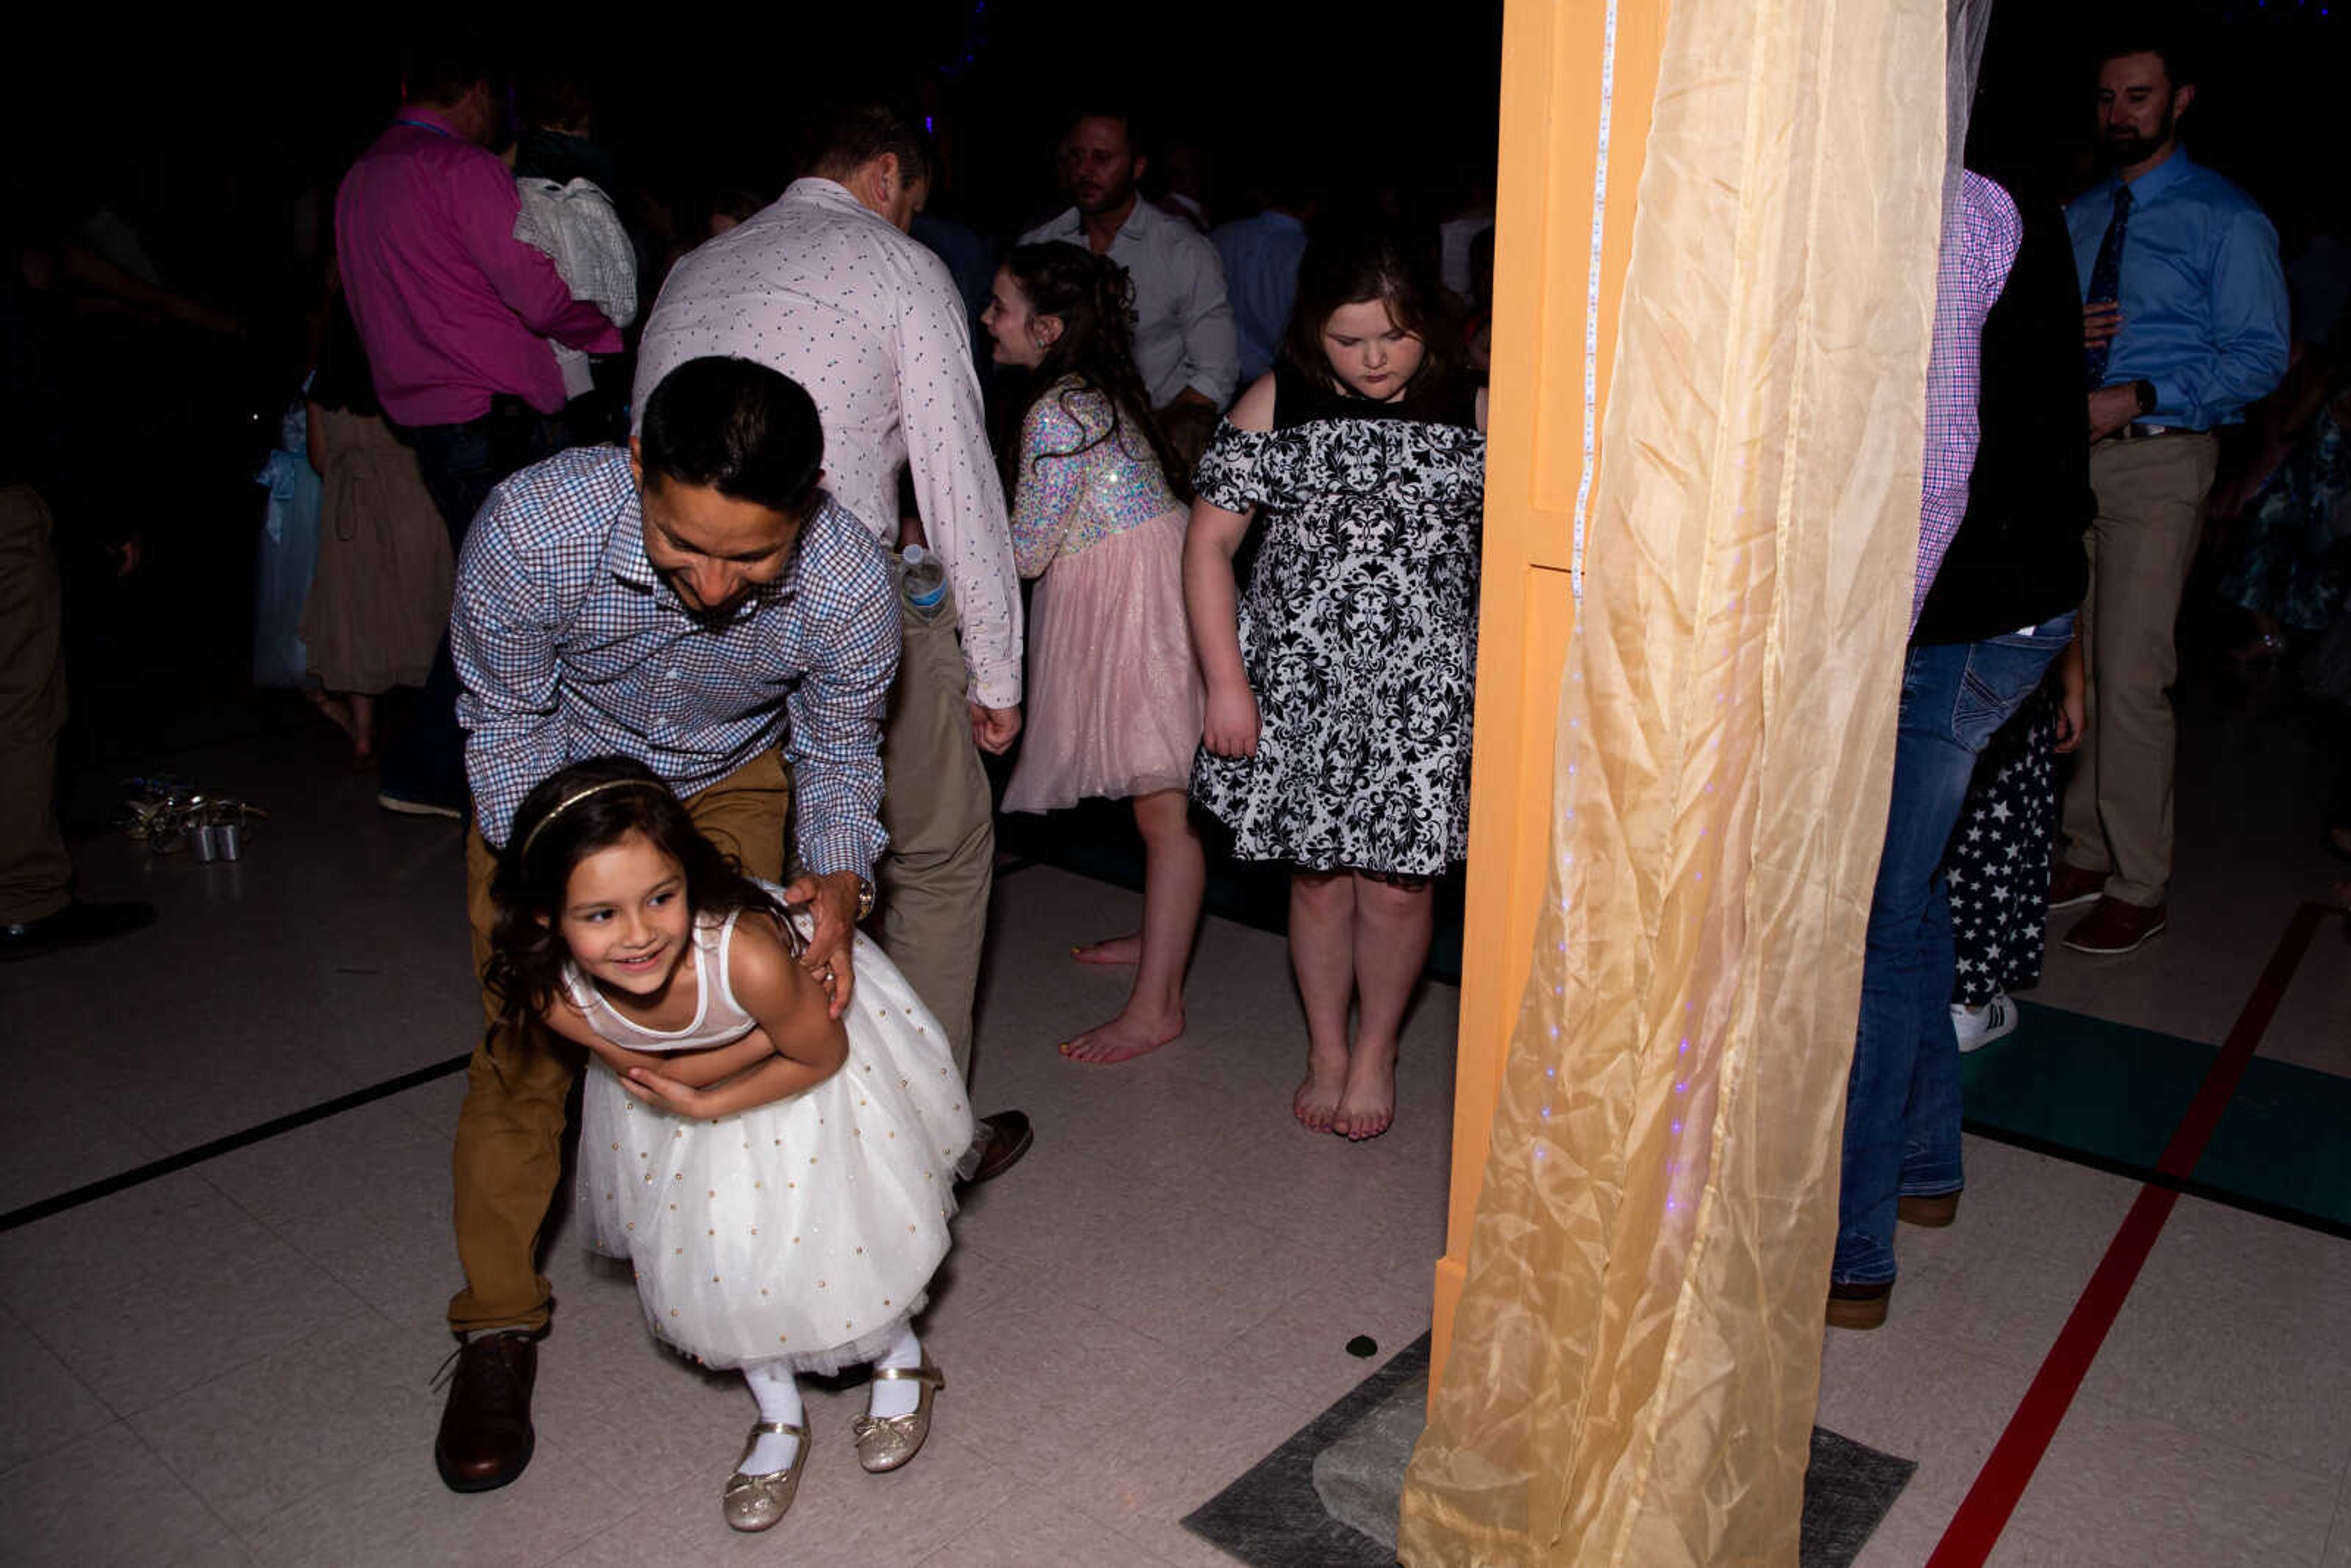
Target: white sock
column 779, row 1394
column 897, row 1395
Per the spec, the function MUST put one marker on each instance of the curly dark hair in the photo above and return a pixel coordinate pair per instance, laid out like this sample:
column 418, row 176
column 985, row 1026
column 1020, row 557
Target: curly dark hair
column 557, row 827
column 1094, row 300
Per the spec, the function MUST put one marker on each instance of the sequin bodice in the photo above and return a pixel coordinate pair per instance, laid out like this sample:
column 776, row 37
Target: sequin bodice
column 1079, row 485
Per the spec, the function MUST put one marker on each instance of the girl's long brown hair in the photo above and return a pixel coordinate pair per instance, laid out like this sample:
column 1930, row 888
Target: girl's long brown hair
column 1094, row 300
column 1355, row 266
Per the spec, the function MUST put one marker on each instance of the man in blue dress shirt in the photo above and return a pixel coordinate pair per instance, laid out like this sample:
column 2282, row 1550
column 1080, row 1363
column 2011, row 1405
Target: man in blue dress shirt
column 1261, row 256
column 2184, row 324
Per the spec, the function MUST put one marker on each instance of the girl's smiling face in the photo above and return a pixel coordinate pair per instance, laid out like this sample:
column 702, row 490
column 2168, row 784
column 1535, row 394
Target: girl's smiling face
column 625, row 918
column 1370, row 354
column 1019, row 334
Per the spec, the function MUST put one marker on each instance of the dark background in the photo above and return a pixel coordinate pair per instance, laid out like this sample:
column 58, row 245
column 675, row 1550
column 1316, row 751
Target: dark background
column 222, row 142
column 225, row 141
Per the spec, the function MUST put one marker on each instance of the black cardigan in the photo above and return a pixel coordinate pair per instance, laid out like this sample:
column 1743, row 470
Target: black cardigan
column 2018, row 558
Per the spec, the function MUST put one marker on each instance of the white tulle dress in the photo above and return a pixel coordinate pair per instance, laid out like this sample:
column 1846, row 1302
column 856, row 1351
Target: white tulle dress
column 802, row 1232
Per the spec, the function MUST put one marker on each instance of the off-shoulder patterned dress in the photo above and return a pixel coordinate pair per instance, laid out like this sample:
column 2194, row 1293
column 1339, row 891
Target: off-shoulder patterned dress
column 1358, row 630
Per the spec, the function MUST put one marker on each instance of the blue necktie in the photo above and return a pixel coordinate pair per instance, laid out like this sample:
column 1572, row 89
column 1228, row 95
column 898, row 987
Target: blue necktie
column 2105, row 284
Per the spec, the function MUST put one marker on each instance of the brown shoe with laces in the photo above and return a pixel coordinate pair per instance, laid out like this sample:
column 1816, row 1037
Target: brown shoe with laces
column 2072, row 884
column 485, row 1438
column 2113, row 928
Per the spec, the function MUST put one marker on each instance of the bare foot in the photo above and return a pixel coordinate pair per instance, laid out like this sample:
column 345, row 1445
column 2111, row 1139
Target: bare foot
column 1367, row 1109
column 1125, row 1036
column 334, row 709
column 1117, row 950
column 1317, row 1100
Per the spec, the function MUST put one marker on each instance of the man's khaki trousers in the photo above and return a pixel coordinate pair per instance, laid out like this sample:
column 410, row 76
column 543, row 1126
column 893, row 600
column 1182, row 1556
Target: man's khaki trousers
column 2117, row 813
column 935, row 876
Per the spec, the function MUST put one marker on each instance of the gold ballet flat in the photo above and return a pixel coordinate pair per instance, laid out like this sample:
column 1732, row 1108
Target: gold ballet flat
column 759, row 1502
column 885, row 1442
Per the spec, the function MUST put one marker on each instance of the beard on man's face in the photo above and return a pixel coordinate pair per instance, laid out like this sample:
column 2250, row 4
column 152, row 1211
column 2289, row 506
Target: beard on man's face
column 2124, row 145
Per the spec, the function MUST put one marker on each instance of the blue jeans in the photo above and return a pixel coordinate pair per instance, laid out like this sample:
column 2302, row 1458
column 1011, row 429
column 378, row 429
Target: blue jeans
column 1902, row 1101
column 461, row 465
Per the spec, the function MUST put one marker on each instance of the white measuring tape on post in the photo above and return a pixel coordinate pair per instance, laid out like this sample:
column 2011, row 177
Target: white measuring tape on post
column 1592, row 302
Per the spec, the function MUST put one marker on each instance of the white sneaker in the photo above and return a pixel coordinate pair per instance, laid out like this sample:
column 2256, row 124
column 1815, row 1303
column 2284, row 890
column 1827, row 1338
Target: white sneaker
column 1979, row 1026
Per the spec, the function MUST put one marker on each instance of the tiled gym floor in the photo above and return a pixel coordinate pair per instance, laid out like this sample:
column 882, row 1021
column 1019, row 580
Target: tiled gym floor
column 231, row 1363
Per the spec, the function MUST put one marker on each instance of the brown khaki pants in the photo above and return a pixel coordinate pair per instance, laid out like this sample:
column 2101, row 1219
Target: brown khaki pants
column 509, row 1152
column 2118, row 814
column 35, row 876
column 934, row 878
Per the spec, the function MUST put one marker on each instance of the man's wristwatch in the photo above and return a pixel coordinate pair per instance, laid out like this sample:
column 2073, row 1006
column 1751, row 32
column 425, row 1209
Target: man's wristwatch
column 2145, row 391
column 865, row 891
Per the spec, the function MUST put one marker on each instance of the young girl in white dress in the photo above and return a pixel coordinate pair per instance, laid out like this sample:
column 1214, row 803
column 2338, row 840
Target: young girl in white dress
column 1114, row 697
column 780, row 1179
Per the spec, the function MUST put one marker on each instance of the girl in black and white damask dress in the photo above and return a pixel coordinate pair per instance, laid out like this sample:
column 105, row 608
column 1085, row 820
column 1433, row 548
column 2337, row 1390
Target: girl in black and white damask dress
column 1339, row 687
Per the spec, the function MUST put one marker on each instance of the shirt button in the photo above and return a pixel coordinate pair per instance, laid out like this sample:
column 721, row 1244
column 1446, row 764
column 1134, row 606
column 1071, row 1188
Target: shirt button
column 673, row 674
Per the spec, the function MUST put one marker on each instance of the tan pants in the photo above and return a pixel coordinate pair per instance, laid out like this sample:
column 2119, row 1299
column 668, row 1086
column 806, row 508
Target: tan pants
column 509, row 1152
column 934, row 878
column 35, row 876
column 2117, row 813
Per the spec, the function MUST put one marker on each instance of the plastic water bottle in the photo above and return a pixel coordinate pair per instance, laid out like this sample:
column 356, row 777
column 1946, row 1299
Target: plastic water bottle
column 922, row 581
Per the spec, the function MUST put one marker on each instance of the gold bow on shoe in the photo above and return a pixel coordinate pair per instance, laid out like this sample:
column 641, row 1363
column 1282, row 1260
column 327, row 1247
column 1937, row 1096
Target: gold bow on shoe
column 886, row 1442
column 759, row 1502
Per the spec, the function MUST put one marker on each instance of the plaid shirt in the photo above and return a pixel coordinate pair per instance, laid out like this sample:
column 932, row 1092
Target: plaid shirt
column 571, row 646
column 1980, row 238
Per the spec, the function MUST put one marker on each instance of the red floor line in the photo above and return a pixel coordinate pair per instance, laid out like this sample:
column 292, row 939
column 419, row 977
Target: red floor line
column 1999, row 1485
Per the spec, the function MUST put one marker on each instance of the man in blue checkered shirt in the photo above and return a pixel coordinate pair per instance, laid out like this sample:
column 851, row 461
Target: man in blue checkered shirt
column 701, row 603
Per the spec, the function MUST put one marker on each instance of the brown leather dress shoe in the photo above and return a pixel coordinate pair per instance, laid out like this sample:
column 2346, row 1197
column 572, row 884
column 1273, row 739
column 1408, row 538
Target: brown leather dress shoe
column 486, row 1437
column 2071, row 885
column 1858, row 1306
column 1932, row 1212
column 2114, row 927
column 1009, row 1138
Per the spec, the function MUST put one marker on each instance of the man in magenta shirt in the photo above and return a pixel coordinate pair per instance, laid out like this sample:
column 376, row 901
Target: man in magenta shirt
column 456, row 313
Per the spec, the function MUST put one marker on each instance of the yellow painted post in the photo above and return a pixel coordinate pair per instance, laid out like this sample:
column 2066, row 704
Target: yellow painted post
column 1553, row 58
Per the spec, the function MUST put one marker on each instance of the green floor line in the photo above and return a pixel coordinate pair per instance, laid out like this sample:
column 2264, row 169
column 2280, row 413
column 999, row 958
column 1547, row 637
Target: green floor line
column 2100, row 1093
column 2109, row 1095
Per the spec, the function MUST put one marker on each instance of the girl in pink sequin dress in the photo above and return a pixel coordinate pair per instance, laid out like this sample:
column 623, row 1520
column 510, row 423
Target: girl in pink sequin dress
column 1114, row 696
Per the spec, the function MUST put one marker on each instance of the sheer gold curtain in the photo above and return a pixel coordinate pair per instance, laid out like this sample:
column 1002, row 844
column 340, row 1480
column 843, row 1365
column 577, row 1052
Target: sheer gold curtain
column 1634, row 1361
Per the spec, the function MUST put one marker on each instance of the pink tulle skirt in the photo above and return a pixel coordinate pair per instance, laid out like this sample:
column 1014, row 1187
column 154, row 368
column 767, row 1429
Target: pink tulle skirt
column 1114, row 700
